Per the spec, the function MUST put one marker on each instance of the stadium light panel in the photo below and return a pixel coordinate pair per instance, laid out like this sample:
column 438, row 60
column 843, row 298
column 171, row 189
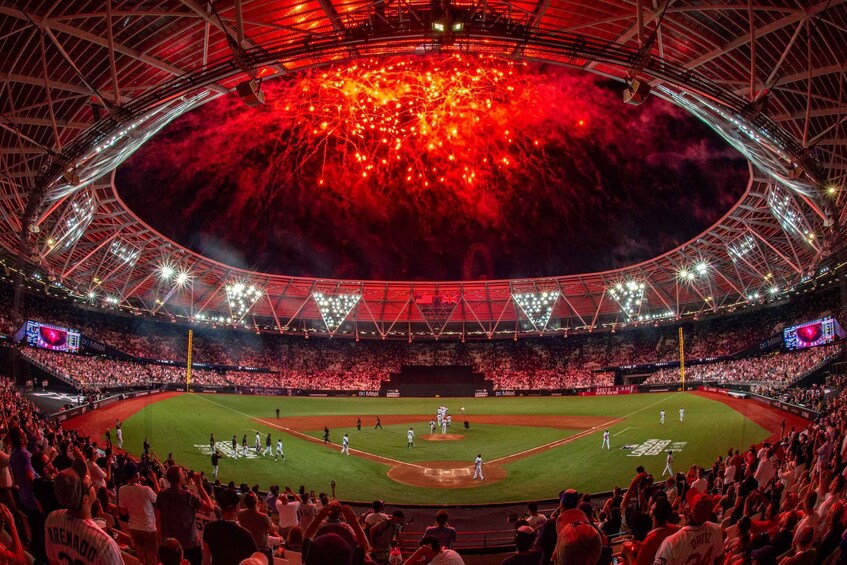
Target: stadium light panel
column 334, row 308
column 538, row 306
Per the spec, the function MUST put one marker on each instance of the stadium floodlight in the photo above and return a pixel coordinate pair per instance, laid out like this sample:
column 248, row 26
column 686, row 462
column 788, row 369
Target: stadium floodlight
column 334, row 308
column 166, row 271
column 630, row 297
column 538, row 306
column 701, row 268
column 241, row 298
column 182, row 278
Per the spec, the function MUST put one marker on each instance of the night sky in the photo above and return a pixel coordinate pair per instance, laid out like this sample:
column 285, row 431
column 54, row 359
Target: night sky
column 393, row 169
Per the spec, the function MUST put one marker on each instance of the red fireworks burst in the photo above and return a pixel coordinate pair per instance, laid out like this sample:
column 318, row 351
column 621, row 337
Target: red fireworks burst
column 462, row 122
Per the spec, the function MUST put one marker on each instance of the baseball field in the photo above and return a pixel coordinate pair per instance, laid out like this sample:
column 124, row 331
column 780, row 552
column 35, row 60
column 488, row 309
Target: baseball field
column 531, row 447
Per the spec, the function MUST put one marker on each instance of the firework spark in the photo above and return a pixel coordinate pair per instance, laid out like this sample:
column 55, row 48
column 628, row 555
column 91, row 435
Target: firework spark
column 346, row 169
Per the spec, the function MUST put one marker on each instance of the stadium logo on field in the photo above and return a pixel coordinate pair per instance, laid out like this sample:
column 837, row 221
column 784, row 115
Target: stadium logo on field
column 654, row 447
column 226, row 451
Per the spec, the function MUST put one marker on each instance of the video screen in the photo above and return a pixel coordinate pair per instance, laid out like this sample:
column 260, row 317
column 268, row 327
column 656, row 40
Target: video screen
column 47, row 336
column 810, row 334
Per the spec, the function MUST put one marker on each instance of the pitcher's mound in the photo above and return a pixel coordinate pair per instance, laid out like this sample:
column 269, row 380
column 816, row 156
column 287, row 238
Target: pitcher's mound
column 445, row 474
column 442, row 437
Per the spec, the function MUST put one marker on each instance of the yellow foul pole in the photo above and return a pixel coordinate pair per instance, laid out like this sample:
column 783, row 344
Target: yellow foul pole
column 681, row 358
column 188, row 363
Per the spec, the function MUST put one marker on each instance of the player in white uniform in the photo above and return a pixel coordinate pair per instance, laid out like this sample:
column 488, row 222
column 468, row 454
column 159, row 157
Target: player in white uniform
column 279, row 450
column 410, row 436
column 345, row 445
column 449, row 420
column 606, row 440
column 662, row 417
column 681, row 414
column 120, row 435
column 443, row 426
column 258, row 443
column 432, row 427
column 668, row 465
column 477, row 468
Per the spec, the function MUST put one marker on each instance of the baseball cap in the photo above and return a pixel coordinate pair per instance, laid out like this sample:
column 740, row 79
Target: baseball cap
column 570, row 498
column 327, row 548
column 578, row 544
column 257, row 558
column 130, row 469
column 701, row 508
column 67, row 485
column 228, row 498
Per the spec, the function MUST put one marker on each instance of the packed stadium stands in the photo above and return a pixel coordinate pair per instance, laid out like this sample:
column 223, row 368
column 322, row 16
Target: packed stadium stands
column 790, row 512
column 345, row 364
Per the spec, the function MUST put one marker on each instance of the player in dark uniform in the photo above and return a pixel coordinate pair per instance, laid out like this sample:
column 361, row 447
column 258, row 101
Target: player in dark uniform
column 378, row 423
column 277, row 413
column 212, row 441
column 326, row 435
column 235, row 446
column 358, row 424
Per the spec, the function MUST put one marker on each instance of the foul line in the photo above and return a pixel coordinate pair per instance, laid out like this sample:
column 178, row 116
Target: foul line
column 388, row 460
column 582, row 434
column 620, row 432
column 301, row 435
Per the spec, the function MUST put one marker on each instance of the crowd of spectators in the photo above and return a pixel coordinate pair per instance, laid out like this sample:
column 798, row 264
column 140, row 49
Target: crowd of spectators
column 785, row 498
column 778, row 369
column 343, row 364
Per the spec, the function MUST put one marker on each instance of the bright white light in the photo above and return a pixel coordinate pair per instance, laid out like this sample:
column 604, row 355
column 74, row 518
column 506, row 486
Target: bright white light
column 334, row 308
column 538, row 306
column 166, row 272
column 702, row 268
column 182, row 278
column 774, row 289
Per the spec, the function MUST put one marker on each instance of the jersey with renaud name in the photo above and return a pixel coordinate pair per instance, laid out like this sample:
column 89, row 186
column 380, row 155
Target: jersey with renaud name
column 78, row 541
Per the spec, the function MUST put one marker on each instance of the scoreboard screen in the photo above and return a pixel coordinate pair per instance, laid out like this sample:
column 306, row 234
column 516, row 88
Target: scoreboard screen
column 48, row 336
column 810, row 334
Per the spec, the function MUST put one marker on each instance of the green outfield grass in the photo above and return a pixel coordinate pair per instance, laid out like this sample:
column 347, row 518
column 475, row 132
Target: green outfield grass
column 182, row 425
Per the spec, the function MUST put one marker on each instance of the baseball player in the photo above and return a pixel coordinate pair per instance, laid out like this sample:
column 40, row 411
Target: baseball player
column 681, row 414
column 378, row 423
column 449, row 420
column 279, row 450
column 268, row 450
column 668, row 465
column 662, row 417
column 212, row 441
column 258, row 443
column 235, row 446
column 431, row 427
column 358, row 424
column 606, row 440
column 443, row 426
column 410, row 436
column 216, row 457
column 244, row 445
column 477, row 468
column 119, row 433
column 345, row 445
column 326, row 435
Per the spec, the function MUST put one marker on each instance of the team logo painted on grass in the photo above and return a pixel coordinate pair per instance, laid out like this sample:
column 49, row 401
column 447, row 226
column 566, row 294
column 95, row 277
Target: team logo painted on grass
column 654, row 447
column 226, row 451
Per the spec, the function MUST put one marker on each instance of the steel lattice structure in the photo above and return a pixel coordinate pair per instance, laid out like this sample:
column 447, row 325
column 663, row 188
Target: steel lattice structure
column 84, row 83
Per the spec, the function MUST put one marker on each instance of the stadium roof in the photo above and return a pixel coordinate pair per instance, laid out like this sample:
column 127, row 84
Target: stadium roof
column 84, row 83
